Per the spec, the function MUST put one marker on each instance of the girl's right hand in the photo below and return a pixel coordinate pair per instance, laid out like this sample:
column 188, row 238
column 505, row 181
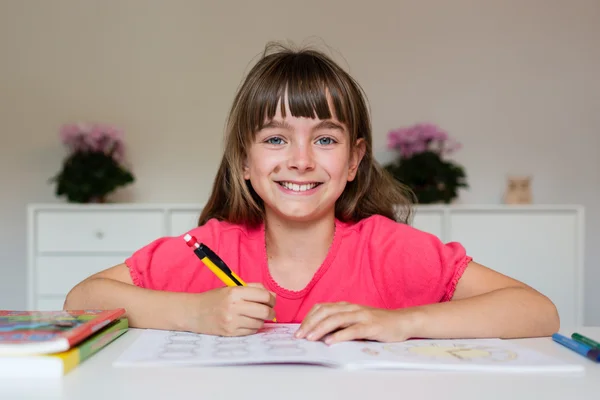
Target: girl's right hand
column 229, row 311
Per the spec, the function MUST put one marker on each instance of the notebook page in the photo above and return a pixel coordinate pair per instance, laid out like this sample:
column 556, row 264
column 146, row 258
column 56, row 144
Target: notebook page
column 494, row 355
column 274, row 343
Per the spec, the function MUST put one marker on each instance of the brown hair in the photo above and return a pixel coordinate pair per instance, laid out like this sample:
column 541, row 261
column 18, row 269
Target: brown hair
column 306, row 78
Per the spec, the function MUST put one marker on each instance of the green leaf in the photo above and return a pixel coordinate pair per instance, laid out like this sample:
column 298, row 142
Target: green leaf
column 433, row 179
column 88, row 175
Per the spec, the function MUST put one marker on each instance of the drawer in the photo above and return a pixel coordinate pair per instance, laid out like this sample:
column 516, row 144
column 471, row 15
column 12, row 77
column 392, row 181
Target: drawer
column 96, row 231
column 182, row 221
column 57, row 275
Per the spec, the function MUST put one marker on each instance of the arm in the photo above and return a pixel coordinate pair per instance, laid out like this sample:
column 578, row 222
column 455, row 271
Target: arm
column 487, row 304
column 114, row 288
column 228, row 311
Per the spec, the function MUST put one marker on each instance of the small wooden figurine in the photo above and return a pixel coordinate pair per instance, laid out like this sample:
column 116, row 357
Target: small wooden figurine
column 518, row 190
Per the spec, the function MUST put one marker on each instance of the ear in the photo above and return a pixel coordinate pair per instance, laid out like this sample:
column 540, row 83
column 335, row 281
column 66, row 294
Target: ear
column 246, row 170
column 356, row 156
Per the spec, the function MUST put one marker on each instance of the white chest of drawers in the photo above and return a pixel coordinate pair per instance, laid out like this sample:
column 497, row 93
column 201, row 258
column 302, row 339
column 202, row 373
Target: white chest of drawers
column 540, row 245
column 67, row 243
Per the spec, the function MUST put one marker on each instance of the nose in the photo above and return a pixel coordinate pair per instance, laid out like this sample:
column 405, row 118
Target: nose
column 301, row 157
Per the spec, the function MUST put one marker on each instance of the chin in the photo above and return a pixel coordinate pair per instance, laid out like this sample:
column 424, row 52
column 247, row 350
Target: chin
column 301, row 215
column 297, row 217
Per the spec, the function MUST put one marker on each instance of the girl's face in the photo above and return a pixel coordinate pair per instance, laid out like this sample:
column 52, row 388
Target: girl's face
column 300, row 166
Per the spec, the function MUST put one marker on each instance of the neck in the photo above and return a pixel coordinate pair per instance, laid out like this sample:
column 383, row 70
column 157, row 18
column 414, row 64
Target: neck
column 298, row 241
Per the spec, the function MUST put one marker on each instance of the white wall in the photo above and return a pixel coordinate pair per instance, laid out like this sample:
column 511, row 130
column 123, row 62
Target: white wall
column 515, row 81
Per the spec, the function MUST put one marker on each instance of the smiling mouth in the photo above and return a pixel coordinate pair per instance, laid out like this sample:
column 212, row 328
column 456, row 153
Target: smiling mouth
column 299, row 187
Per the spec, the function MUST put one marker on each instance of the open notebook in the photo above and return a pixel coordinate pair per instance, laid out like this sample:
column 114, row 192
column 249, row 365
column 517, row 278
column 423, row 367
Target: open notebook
column 275, row 343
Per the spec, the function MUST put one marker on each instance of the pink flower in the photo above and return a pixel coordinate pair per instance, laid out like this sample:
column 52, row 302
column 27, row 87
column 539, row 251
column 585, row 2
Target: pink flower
column 419, row 138
column 85, row 137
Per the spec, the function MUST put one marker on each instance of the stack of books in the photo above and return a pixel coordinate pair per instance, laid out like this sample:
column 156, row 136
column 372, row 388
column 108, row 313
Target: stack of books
column 52, row 343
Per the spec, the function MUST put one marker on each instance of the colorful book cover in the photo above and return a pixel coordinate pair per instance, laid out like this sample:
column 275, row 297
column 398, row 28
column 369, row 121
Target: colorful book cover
column 59, row 364
column 45, row 332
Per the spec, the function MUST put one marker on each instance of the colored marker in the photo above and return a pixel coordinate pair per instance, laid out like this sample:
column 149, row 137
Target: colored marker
column 586, row 351
column 214, row 263
column 586, row 340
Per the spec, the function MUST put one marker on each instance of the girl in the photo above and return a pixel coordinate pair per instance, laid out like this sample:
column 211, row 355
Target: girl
column 301, row 208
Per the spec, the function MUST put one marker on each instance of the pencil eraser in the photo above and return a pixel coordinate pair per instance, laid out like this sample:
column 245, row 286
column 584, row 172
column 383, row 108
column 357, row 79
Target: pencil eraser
column 189, row 239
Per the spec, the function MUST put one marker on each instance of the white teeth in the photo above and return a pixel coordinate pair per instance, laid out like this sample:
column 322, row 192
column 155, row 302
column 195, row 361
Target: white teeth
column 298, row 188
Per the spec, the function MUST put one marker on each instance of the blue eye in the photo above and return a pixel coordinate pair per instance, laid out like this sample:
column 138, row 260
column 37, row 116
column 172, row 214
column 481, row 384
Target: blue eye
column 326, row 141
column 275, row 140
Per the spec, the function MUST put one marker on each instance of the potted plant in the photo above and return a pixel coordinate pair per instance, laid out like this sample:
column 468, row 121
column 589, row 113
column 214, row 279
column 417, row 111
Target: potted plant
column 421, row 163
column 94, row 167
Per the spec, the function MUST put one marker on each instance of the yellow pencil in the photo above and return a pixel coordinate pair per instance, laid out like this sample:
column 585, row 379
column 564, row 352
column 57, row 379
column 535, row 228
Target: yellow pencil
column 214, row 263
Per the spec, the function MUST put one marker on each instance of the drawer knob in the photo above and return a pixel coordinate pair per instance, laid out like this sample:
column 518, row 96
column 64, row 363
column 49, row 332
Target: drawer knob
column 99, row 234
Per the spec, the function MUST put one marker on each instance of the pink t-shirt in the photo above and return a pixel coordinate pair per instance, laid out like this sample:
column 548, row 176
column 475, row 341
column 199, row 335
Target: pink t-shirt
column 376, row 262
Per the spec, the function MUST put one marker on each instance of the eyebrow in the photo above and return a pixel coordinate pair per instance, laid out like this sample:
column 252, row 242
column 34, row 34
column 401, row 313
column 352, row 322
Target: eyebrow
column 321, row 125
column 277, row 124
column 329, row 125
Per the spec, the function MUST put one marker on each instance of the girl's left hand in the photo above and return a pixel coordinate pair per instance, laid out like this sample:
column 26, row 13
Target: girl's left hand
column 338, row 322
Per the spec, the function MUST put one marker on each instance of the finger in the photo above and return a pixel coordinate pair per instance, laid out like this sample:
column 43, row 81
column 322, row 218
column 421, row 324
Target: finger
column 257, row 311
column 332, row 323
column 352, row 332
column 256, row 284
column 260, row 285
column 249, row 323
column 244, row 332
column 256, row 294
column 324, row 311
column 239, row 325
column 308, row 319
column 316, row 308
column 302, row 329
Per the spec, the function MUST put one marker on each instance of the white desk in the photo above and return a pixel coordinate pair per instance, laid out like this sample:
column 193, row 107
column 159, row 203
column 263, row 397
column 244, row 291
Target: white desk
column 96, row 379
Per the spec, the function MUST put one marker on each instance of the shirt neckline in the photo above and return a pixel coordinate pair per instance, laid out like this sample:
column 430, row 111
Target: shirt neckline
column 297, row 294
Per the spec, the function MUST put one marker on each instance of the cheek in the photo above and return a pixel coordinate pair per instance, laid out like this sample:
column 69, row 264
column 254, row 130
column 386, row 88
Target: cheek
column 337, row 167
column 261, row 165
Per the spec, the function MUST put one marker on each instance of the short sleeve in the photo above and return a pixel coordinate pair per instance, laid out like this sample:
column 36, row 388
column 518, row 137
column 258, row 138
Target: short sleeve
column 168, row 264
column 418, row 268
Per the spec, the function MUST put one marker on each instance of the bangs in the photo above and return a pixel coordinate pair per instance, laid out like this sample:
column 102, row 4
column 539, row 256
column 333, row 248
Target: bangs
column 307, row 85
